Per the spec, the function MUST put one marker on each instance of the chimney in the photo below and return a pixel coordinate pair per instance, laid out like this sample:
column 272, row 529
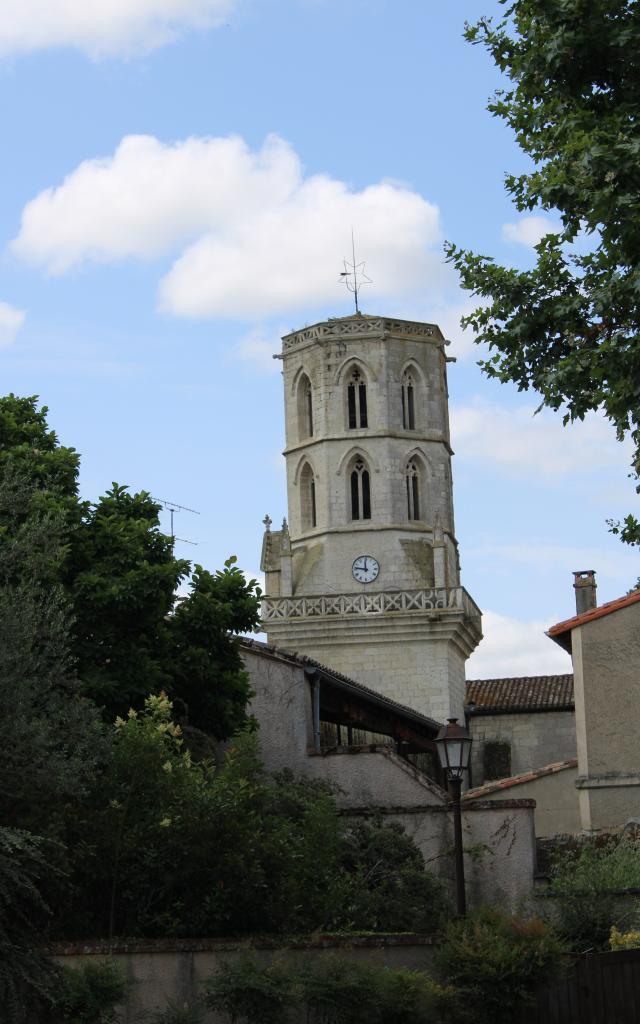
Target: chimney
column 585, row 587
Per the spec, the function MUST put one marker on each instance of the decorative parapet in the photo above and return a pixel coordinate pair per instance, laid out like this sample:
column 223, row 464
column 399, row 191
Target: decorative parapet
column 357, row 327
column 436, row 599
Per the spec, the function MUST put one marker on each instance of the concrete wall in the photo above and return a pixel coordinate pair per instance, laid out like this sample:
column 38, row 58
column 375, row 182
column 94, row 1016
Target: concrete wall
column 162, row 971
column 606, row 665
column 536, row 739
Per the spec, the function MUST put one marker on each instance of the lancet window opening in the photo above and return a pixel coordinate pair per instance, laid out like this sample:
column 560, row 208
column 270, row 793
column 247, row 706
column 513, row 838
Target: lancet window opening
column 408, row 402
column 357, row 400
column 308, row 513
column 360, row 485
column 305, row 408
column 412, row 478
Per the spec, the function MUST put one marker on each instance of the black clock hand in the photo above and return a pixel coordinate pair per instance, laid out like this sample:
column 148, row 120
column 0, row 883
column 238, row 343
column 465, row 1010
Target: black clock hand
column 365, row 565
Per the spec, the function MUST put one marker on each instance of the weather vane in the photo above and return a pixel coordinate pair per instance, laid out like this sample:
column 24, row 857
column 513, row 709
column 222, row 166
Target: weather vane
column 353, row 275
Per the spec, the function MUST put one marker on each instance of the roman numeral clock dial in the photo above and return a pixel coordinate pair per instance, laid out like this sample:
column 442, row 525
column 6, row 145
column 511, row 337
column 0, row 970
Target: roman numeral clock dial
column 365, row 569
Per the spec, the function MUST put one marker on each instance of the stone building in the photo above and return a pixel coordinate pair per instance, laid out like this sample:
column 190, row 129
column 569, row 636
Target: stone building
column 567, row 742
column 365, row 575
column 604, row 643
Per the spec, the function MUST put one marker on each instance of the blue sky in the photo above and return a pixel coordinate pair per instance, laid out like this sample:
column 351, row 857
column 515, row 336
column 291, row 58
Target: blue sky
column 180, row 179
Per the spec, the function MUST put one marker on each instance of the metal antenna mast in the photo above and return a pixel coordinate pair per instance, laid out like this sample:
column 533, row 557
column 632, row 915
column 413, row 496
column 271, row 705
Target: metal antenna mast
column 353, row 275
column 171, row 508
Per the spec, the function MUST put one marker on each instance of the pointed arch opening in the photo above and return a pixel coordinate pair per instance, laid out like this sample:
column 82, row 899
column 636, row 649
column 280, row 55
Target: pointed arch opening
column 413, row 486
column 359, row 489
column 408, row 400
column 308, row 509
column 305, row 407
column 357, row 412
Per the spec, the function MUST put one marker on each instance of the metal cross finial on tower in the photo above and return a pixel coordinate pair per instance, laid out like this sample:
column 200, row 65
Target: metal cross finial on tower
column 353, row 275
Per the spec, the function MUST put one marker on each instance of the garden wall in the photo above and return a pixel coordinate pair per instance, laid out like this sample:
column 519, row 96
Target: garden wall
column 162, row 970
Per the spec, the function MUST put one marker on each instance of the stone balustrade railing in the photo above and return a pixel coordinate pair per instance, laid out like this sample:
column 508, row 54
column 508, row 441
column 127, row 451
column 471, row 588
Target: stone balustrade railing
column 434, row 599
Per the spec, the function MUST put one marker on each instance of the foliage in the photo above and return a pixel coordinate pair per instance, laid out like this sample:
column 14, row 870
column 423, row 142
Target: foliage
column 331, row 990
column 390, row 889
column 89, row 994
column 114, row 576
column 130, row 638
column 52, row 741
column 178, row 1013
column 27, row 977
column 265, row 853
column 497, row 964
column 624, row 940
column 587, row 884
column 247, row 992
column 569, row 327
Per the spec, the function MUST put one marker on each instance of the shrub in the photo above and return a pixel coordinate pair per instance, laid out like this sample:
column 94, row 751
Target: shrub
column 27, row 976
column 89, row 994
column 178, row 1013
column 248, row 992
column 330, row 990
column 497, row 964
column 624, row 940
column 587, row 884
column 390, row 889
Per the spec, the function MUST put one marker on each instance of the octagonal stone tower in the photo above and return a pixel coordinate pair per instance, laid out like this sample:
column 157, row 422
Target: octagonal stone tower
column 365, row 576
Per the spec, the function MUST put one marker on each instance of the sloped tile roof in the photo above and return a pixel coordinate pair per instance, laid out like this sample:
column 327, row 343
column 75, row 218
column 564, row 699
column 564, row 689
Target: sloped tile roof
column 518, row 780
column 523, row 693
column 559, row 632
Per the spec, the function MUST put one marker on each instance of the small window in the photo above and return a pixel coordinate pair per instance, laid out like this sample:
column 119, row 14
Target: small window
column 360, row 492
column 357, row 401
column 496, row 760
column 408, row 402
column 412, row 478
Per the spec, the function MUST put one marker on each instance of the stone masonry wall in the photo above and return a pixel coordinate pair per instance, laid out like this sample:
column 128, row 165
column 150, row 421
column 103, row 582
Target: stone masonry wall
column 536, row 739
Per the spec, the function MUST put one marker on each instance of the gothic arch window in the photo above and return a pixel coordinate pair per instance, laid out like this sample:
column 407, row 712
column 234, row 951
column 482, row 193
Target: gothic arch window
column 308, row 515
column 360, row 490
column 412, row 479
column 408, row 401
column 305, row 408
column 356, row 400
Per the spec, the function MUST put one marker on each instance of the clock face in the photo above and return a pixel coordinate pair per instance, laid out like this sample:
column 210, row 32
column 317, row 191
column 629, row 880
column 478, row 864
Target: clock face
column 365, row 569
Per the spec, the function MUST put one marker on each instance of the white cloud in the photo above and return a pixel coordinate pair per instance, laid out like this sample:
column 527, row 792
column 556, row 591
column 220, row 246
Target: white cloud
column 524, row 444
column 617, row 564
column 103, row 28
column 514, row 648
column 11, row 320
column 257, row 348
column 529, row 230
column 255, row 236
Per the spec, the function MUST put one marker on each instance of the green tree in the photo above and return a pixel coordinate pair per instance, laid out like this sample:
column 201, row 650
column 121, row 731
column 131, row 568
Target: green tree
column 167, row 845
column 120, row 576
column 52, row 738
column 569, row 327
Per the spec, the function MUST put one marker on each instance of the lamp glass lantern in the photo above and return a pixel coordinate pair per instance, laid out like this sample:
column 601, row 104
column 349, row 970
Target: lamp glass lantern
column 454, row 748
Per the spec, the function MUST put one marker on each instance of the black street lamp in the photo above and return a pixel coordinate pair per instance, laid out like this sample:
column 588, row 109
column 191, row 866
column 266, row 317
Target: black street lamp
column 454, row 750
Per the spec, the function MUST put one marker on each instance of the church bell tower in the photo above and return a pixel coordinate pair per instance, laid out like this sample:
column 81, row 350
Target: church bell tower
column 365, row 575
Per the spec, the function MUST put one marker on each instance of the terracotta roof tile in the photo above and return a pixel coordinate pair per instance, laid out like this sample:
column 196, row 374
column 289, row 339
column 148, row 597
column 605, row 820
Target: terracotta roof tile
column 522, row 693
column 558, row 631
column 519, row 780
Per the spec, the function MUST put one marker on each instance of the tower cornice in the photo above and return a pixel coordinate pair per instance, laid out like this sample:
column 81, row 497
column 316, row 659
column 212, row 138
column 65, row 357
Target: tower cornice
column 362, row 326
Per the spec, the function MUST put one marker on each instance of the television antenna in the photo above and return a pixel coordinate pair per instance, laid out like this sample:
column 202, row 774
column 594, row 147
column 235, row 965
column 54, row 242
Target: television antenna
column 172, row 508
column 353, row 275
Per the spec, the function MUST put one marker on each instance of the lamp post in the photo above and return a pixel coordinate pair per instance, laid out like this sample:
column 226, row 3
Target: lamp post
column 454, row 750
